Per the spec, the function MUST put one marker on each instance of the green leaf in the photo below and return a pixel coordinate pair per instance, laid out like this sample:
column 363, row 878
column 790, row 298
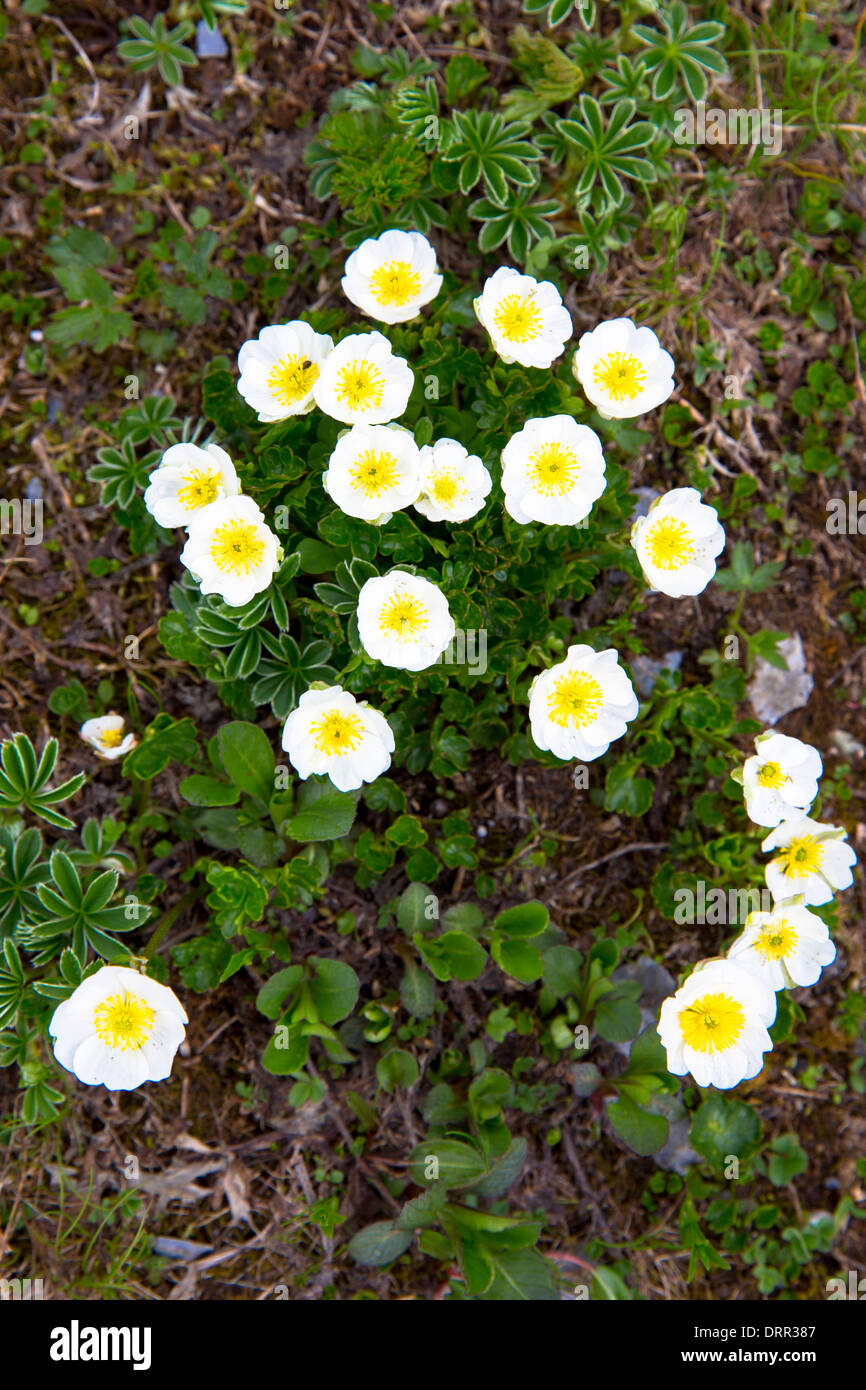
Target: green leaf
column 517, row 959
column 272, row 996
column 323, row 812
column 445, row 1161
column 525, row 920
column 417, row 991
column 334, row 989
column 397, row 1068
column 246, row 754
column 379, row 1244
column 640, row 1129
column 286, row 1052
column 723, row 1127
column 208, row 791
column 787, row 1160
column 463, row 955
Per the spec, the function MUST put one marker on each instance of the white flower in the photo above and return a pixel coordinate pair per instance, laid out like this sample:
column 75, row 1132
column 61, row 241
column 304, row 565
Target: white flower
column 526, row 318
column 715, row 1026
column 786, row 947
column 813, row 861
column 231, row 550
column 781, row 781
column 374, row 471
column 391, row 277
column 403, row 620
column 552, row 471
column 454, row 483
column 106, row 735
column 187, row 479
column 333, row 733
column 578, row 707
column 624, row 370
column 280, row 368
column 677, row 542
column 118, row 1029
column 363, row 382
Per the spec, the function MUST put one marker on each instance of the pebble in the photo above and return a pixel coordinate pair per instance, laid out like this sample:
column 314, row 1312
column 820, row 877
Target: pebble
column 775, row 691
column 646, row 671
column 209, row 43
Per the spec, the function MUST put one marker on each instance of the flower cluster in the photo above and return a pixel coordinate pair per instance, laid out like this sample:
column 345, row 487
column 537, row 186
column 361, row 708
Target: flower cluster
column 230, row 549
column 715, row 1026
column 552, row 473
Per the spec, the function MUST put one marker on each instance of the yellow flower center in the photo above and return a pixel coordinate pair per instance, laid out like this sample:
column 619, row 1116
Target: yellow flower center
column 337, row 733
column 575, row 697
column 292, row 379
column 237, row 547
column 801, row 857
column 445, row 488
column 518, row 320
column 395, row 283
column 404, row 615
column 712, row 1023
column 123, row 1021
column 554, row 469
column 620, row 375
column 200, row 487
column 374, row 473
column 669, row 544
column 777, row 941
column 771, row 775
column 360, row 385
column 111, row 738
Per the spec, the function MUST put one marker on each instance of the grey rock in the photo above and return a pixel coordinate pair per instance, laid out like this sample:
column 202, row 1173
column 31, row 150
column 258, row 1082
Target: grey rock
column 773, row 691
column 209, row 43
column 173, row 1249
column 646, row 671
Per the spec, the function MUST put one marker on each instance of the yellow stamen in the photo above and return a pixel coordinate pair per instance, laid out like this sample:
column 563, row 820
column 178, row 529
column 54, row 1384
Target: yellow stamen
column 395, row 283
column 777, row 940
column 669, row 544
column 553, row 469
column 361, row 386
column 801, row 857
column 200, row 487
column 620, row 375
column 575, row 697
column 237, row 547
column 336, row 733
column 123, row 1021
column 771, row 775
column 445, row 488
column 404, row 615
column 111, row 738
column 712, row 1023
column 518, row 320
column 292, row 379
column 374, row 473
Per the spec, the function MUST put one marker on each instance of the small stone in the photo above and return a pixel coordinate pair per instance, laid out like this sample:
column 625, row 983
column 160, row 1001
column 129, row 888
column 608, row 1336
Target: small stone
column 646, row 671
column 209, row 43
column 775, row 691
column 170, row 1248
column 846, row 744
column 645, row 498
column 677, row 1154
